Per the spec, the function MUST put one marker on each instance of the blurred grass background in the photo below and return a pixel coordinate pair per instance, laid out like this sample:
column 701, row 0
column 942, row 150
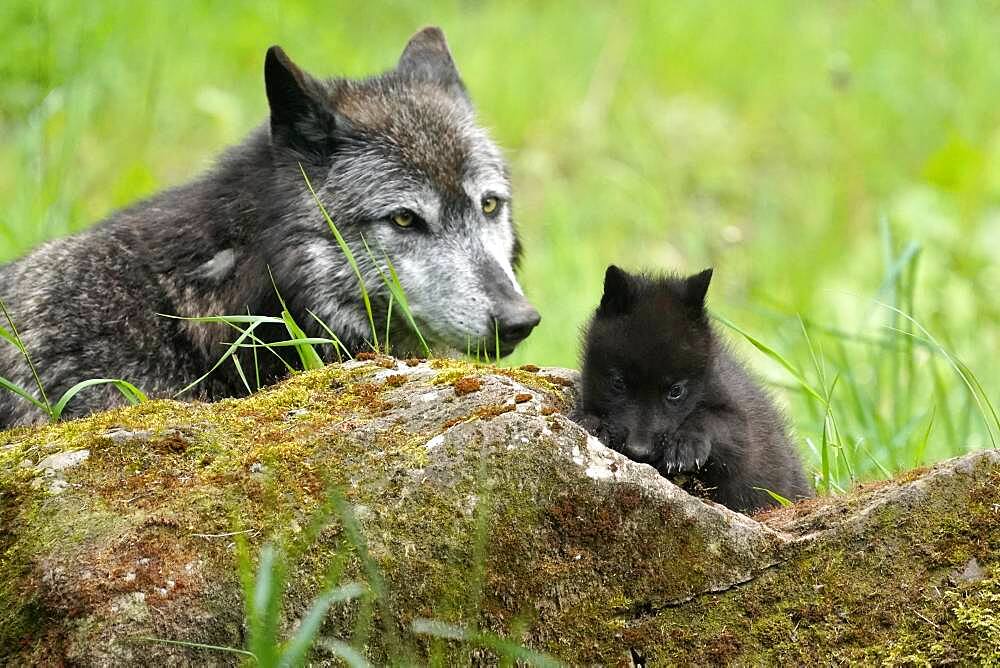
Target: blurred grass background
column 822, row 156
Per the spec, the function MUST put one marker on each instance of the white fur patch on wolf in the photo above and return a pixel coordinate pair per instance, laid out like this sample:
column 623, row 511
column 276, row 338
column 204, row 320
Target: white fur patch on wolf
column 497, row 238
column 219, row 267
column 327, row 275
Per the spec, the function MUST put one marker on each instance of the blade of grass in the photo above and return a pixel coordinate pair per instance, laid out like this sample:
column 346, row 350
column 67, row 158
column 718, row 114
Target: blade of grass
column 256, row 362
column 872, row 458
column 233, row 347
column 983, row 403
column 295, row 652
column 239, row 372
column 133, row 395
column 773, row 354
column 264, row 608
column 347, row 253
column 198, row 645
column 396, row 291
column 921, row 446
column 400, row 295
column 824, row 452
column 338, row 344
column 259, row 343
column 482, row 639
column 290, row 343
column 352, row 528
column 308, row 356
column 782, row 501
column 24, row 394
column 388, row 322
column 15, row 337
column 348, row 654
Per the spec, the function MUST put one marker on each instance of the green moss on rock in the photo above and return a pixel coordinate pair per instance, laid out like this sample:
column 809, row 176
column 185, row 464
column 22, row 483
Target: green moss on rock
column 486, row 509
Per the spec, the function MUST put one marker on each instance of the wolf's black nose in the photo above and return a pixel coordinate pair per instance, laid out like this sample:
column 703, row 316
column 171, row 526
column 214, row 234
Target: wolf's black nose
column 516, row 323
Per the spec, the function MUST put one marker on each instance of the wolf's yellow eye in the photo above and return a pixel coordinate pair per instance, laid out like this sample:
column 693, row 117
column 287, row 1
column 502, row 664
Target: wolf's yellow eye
column 490, row 205
column 403, row 218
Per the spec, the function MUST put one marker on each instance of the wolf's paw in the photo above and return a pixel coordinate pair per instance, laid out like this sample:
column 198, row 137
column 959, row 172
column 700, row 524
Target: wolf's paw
column 604, row 432
column 684, row 453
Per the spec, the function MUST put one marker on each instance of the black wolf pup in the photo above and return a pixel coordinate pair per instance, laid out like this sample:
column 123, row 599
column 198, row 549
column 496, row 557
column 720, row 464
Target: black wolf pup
column 398, row 161
column 661, row 388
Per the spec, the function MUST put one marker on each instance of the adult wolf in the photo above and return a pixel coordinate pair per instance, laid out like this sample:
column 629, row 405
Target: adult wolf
column 398, row 161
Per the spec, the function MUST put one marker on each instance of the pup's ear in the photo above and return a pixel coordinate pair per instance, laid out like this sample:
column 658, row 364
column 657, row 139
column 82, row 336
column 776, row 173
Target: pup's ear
column 299, row 117
column 695, row 288
column 427, row 57
column 617, row 297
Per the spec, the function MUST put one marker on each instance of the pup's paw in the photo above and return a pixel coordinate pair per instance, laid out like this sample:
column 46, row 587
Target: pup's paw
column 604, row 432
column 684, row 453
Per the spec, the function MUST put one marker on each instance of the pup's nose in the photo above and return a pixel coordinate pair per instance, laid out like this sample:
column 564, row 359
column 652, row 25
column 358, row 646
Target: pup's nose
column 515, row 323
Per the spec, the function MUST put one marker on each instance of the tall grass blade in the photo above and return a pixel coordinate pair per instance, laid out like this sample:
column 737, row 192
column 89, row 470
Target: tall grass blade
column 264, row 607
column 290, row 343
column 986, row 408
column 198, row 645
column 352, row 528
column 485, row 640
column 782, row 501
column 296, row 650
column 239, row 371
column 345, row 652
column 133, row 395
column 308, row 356
column 24, row 394
column 338, row 345
column 396, row 291
column 388, row 323
column 256, row 362
column 347, row 253
column 233, row 347
column 15, row 337
column 824, row 452
column 774, row 355
column 921, row 449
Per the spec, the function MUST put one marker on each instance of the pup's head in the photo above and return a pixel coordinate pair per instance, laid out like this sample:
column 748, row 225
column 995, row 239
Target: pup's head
column 399, row 163
column 646, row 355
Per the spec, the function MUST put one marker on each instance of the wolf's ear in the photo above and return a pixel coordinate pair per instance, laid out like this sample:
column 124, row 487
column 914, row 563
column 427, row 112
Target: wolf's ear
column 617, row 297
column 696, row 287
column 299, row 118
column 427, row 57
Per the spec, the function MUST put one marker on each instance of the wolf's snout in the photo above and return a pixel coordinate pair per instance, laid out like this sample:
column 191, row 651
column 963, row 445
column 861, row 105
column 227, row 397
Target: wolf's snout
column 516, row 322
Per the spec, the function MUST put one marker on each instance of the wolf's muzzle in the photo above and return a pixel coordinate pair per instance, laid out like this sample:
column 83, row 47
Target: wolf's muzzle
column 515, row 321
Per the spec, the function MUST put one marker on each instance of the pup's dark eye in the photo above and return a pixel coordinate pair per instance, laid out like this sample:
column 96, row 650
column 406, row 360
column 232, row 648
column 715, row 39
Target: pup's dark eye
column 676, row 392
column 403, row 218
column 491, row 205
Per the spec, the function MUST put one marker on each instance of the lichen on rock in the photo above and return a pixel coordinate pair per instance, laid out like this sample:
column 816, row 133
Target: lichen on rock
column 482, row 505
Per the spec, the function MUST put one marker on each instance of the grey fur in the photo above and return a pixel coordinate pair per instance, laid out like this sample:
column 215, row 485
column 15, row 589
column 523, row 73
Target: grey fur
column 87, row 306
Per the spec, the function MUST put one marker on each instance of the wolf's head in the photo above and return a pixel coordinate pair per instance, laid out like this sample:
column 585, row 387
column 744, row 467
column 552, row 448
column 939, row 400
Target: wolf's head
column 400, row 164
column 646, row 356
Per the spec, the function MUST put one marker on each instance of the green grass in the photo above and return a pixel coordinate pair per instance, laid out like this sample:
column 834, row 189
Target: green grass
column 265, row 583
column 40, row 400
column 826, row 158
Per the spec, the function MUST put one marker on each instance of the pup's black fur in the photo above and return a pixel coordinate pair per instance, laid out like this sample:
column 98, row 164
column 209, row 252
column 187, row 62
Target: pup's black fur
column 661, row 388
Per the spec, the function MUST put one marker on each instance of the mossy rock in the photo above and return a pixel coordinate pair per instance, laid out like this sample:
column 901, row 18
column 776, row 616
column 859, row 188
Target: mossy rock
column 482, row 506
